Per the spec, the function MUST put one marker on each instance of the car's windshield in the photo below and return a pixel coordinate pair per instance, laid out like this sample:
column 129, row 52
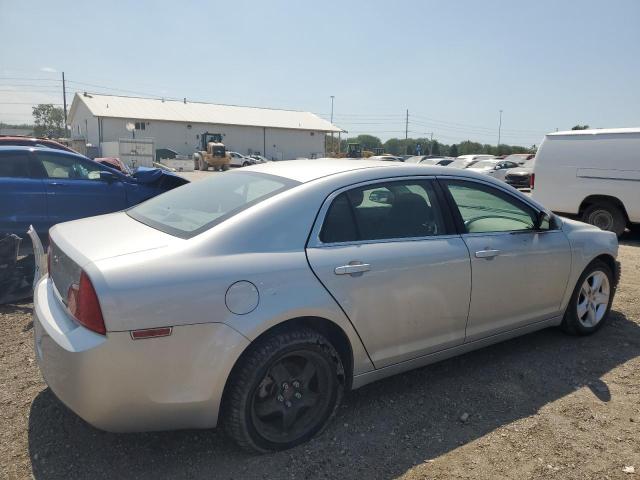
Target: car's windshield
column 198, row 206
column 485, row 164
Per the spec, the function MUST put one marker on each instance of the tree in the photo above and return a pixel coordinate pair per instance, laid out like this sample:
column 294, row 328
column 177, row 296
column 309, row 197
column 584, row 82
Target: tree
column 453, row 150
column 49, row 120
column 580, row 127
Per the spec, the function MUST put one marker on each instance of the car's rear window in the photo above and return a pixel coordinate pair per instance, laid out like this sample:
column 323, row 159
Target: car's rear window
column 191, row 209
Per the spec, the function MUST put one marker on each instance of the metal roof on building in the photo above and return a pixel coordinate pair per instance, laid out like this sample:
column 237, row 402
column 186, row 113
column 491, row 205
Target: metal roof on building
column 137, row 108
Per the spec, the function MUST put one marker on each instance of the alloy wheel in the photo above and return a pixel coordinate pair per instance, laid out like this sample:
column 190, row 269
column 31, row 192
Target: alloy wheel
column 292, row 398
column 593, row 299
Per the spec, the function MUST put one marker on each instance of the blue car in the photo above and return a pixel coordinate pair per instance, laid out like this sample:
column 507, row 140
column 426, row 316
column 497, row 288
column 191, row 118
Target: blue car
column 42, row 186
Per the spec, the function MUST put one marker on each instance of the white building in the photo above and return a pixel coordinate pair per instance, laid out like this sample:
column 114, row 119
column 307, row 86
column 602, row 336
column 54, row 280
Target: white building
column 177, row 125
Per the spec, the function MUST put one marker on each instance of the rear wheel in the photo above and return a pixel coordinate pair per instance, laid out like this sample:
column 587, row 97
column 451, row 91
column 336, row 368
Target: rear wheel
column 283, row 391
column 591, row 301
column 246, row 164
column 224, row 168
column 605, row 216
column 204, row 166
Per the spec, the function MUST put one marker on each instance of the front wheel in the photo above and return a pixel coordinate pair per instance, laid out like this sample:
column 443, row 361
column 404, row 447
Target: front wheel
column 591, row 301
column 283, row 391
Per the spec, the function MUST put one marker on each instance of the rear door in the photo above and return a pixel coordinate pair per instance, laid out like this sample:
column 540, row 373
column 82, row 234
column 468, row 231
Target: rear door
column 519, row 273
column 22, row 197
column 387, row 253
column 74, row 187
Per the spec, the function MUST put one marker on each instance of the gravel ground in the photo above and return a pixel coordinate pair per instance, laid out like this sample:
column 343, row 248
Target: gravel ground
column 543, row 405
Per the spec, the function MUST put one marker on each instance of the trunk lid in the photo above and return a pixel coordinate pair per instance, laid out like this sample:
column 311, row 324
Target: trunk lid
column 75, row 244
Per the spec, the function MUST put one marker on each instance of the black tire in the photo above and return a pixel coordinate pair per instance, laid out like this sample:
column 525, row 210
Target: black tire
column 246, row 164
column 571, row 324
column 606, row 216
column 224, row 168
column 270, row 387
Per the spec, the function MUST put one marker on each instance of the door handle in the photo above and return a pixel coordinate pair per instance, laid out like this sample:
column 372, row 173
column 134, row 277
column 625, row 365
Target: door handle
column 487, row 253
column 351, row 269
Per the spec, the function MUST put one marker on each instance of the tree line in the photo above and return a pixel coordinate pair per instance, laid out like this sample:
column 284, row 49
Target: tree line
column 425, row 146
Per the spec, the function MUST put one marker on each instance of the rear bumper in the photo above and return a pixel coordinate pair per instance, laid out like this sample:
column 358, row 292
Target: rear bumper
column 121, row 385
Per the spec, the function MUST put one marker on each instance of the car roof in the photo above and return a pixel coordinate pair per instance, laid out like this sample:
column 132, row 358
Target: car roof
column 30, row 148
column 308, row 170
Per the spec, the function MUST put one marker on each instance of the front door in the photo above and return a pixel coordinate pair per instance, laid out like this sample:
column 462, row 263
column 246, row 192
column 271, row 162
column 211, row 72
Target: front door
column 75, row 189
column 387, row 254
column 519, row 273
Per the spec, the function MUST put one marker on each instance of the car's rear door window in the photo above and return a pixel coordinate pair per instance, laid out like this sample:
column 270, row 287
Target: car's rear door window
column 14, row 164
column 191, row 209
column 381, row 211
column 486, row 209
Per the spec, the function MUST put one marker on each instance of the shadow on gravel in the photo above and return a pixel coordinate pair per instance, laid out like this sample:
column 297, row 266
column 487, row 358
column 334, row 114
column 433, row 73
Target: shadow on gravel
column 381, row 431
column 12, row 308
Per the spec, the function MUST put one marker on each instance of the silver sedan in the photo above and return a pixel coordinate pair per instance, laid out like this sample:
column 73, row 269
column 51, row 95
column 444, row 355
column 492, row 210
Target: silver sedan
column 256, row 297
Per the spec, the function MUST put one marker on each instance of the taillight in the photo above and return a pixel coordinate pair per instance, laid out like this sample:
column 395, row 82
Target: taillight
column 532, row 180
column 83, row 304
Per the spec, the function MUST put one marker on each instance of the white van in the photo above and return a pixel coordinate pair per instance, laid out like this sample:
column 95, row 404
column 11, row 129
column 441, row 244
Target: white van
column 592, row 174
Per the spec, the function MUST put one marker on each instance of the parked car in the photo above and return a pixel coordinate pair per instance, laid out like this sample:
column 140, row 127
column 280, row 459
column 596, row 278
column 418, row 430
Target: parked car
column 43, row 186
column 19, row 141
column 256, row 297
column 592, row 174
column 260, row 159
column 239, row 160
column 442, row 161
column 519, row 158
column 520, row 177
column 493, row 167
column 468, row 160
column 415, row 159
column 387, row 158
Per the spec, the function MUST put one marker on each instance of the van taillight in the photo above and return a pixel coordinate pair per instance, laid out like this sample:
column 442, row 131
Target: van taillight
column 83, row 304
column 532, row 180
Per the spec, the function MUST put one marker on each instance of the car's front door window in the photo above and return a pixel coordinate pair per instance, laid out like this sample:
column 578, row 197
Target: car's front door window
column 68, row 168
column 485, row 209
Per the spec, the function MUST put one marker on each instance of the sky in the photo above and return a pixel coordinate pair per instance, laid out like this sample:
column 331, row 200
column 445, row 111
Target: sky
column 452, row 64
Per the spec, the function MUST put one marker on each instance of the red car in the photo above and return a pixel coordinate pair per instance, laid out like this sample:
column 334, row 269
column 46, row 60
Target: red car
column 8, row 140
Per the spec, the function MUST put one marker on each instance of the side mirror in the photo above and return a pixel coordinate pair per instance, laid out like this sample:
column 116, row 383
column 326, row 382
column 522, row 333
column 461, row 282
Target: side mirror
column 497, row 167
column 108, row 177
column 541, row 219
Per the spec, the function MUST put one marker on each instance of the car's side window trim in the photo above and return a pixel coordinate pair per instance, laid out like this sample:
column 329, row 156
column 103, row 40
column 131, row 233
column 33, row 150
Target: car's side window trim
column 455, row 211
column 450, row 229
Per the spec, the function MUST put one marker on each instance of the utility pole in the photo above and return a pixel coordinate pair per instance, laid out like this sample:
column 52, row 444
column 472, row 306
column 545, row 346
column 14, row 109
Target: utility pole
column 64, row 101
column 332, row 146
column 431, row 144
column 406, row 128
column 499, row 131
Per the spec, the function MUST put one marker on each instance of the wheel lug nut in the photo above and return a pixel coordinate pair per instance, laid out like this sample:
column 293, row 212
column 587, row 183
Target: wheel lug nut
column 296, row 384
column 298, row 395
column 280, row 398
column 285, row 386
